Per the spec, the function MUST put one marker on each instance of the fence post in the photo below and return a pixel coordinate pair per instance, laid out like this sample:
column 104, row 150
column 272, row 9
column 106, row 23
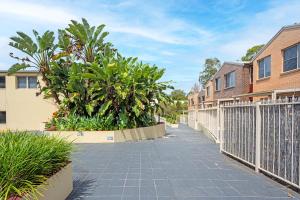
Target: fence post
column 196, row 119
column 221, row 124
column 258, row 134
column 218, row 123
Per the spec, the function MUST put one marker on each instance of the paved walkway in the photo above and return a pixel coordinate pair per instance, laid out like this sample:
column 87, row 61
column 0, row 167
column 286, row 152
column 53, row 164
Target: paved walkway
column 187, row 166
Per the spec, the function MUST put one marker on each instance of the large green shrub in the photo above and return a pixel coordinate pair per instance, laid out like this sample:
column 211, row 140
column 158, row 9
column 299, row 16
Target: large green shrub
column 27, row 160
column 90, row 80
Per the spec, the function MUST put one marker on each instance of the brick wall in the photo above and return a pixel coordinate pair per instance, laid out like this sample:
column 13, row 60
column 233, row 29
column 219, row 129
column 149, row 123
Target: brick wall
column 278, row 79
column 195, row 100
column 242, row 80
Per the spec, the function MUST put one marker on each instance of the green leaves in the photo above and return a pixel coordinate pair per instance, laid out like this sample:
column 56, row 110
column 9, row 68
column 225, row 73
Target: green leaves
column 90, row 80
column 17, row 67
column 27, row 160
column 104, row 108
column 24, row 43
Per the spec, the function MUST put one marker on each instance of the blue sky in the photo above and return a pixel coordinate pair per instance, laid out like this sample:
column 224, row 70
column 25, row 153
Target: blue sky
column 174, row 34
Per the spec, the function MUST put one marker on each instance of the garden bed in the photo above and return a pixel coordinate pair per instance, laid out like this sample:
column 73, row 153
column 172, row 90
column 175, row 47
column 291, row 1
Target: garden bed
column 34, row 166
column 126, row 135
column 57, row 187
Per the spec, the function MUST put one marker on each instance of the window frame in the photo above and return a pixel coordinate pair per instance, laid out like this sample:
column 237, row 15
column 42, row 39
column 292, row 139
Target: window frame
column 234, row 80
column 218, row 84
column 297, row 45
column 27, row 82
column 5, row 118
column 264, row 72
column 4, row 82
column 208, row 91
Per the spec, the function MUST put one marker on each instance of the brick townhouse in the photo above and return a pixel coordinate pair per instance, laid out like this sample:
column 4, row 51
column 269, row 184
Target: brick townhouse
column 196, row 100
column 276, row 67
column 232, row 79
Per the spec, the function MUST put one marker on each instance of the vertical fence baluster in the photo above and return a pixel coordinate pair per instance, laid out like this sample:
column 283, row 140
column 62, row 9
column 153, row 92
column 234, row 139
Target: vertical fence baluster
column 274, row 136
column 268, row 136
column 279, row 144
column 292, row 165
column 258, row 131
column 254, row 116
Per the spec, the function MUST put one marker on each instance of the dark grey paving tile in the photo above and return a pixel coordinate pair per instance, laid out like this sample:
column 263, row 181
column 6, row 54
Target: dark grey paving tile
column 131, row 191
column 187, row 166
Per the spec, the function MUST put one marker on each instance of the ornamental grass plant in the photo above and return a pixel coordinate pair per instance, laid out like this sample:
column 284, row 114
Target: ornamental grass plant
column 27, row 160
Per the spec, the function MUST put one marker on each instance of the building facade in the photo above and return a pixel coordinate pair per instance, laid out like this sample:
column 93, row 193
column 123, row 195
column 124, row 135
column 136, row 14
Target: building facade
column 276, row 68
column 196, row 100
column 232, row 79
column 209, row 94
column 20, row 107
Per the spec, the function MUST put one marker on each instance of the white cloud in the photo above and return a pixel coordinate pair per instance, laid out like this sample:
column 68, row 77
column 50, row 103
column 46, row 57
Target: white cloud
column 35, row 12
column 259, row 29
column 163, row 29
column 146, row 57
column 168, row 53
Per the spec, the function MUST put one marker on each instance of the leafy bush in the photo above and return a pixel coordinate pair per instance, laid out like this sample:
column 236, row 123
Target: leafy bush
column 27, row 160
column 78, row 123
column 173, row 119
column 88, row 78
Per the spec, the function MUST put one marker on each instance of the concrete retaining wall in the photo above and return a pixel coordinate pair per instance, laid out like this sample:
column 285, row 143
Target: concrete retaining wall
column 57, row 187
column 143, row 133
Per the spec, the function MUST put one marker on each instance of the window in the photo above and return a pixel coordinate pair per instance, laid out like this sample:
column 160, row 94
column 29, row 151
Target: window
column 264, row 66
column 32, row 82
column 26, row 82
column 291, row 58
column 230, row 80
column 2, row 117
column 21, row 82
column 207, row 91
column 2, row 81
column 218, row 84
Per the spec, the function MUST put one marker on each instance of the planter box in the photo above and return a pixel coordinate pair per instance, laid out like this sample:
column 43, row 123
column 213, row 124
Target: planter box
column 57, row 187
column 143, row 133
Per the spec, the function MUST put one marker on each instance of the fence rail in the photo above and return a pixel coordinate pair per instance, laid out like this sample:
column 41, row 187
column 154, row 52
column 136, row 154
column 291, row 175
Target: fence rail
column 265, row 135
column 205, row 120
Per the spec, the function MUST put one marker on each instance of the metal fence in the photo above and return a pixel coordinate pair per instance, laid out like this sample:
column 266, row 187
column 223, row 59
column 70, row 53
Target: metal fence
column 183, row 118
column 192, row 120
column 205, row 120
column 208, row 120
column 265, row 135
column 238, row 131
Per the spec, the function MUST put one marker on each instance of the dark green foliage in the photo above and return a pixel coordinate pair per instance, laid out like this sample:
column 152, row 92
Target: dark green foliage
column 251, row 52
column 211, row 66
column 178, row 95
column 27, row 160
column 92, row 81
column 77, row 123
column 172, row 111
column 172, row 119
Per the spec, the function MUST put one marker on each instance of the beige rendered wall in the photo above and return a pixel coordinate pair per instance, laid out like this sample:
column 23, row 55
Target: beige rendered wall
column 24, row 110
column 278, row 79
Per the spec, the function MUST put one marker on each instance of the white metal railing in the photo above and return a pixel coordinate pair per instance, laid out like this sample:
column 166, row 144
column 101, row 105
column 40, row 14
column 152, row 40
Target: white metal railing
column 238, row 131
column 265, row 135
column 184, row 118
column 206, row 120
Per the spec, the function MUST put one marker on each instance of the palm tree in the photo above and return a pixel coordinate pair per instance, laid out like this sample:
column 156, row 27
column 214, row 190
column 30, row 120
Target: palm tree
column 38, row 54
